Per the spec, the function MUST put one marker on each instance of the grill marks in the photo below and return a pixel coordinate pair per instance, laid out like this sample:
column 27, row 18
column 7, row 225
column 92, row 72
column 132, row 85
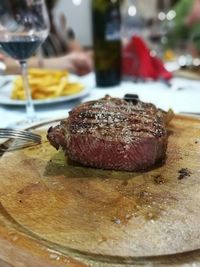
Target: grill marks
column 111, row 114
column 112, row 133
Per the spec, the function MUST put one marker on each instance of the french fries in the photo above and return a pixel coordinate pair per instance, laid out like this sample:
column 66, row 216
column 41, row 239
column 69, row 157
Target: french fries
column 46, row 84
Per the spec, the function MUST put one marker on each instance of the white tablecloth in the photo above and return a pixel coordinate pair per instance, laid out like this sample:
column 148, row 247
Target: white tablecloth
column 182, row 96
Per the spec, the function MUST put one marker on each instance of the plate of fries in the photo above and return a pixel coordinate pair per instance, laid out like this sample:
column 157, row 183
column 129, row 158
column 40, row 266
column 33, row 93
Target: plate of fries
column 47, row 86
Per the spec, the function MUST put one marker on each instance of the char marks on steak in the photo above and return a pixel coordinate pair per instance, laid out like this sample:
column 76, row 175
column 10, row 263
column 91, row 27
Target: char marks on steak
column 112, row 133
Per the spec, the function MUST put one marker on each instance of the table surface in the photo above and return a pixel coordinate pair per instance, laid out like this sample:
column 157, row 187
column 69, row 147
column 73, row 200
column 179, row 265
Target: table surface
column 183, row 96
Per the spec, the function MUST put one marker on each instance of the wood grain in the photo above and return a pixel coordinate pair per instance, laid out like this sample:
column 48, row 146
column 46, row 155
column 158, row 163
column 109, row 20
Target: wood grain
column 87, row 215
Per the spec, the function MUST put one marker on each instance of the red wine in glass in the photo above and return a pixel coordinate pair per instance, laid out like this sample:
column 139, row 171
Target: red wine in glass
column 24, row 25
column 21, row 48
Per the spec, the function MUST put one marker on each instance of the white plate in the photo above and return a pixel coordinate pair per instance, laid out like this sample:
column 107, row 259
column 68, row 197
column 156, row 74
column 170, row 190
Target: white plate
column 6, row 90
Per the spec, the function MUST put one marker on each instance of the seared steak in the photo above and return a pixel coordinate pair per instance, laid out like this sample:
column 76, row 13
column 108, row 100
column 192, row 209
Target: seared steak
column 112, row 133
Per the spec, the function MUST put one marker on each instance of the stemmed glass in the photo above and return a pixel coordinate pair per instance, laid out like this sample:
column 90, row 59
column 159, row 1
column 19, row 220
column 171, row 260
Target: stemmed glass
column 24, row 25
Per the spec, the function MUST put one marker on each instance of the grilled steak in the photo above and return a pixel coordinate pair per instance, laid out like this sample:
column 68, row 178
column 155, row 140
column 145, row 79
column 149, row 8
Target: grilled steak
column 112, row 133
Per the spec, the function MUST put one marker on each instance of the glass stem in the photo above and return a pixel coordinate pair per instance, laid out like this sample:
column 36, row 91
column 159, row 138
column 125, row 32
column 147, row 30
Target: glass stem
column 30, row 111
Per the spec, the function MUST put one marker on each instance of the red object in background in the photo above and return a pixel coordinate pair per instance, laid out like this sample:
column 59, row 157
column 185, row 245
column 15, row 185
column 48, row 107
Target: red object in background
column 137, row 62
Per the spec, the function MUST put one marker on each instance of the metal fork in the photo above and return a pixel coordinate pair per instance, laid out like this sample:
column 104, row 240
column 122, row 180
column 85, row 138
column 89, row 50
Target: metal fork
column 18, row 139
column 19, row 134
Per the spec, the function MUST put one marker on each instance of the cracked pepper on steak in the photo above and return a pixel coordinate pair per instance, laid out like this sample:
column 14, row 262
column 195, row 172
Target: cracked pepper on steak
column 111, row 133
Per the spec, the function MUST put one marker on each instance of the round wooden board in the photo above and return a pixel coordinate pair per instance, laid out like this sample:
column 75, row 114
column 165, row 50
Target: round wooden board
column 106, row 215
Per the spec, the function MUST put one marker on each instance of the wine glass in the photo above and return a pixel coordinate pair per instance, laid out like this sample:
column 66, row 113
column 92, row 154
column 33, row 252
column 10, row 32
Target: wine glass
column 24, row 25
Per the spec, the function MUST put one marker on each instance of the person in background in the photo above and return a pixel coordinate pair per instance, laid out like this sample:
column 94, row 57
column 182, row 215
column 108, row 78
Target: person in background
column 60, row 50
column 61, row 39
column 72, row 43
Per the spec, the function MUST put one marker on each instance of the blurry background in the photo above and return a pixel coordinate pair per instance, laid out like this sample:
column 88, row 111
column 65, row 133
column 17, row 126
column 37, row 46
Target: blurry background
column 162, row 23
column 78, row 14
column 164, row 26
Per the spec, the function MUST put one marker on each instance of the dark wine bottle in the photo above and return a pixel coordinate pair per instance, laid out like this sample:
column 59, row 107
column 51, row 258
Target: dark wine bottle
column 107, row 42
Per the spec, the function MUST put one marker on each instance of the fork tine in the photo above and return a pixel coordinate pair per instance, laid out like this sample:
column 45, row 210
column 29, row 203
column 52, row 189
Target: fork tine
column 25, row 135
column 22, row 137
column 17, row 131
column 7, row 130
column 20, row 133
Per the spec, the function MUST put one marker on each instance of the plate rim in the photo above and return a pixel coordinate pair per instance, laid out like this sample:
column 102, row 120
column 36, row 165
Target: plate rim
column 50, row 101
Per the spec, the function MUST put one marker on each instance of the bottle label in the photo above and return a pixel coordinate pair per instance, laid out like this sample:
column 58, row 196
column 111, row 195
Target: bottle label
column 112, row 30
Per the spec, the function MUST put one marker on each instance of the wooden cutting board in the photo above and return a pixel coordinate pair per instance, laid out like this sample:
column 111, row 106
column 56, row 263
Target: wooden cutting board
column 56, row 213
